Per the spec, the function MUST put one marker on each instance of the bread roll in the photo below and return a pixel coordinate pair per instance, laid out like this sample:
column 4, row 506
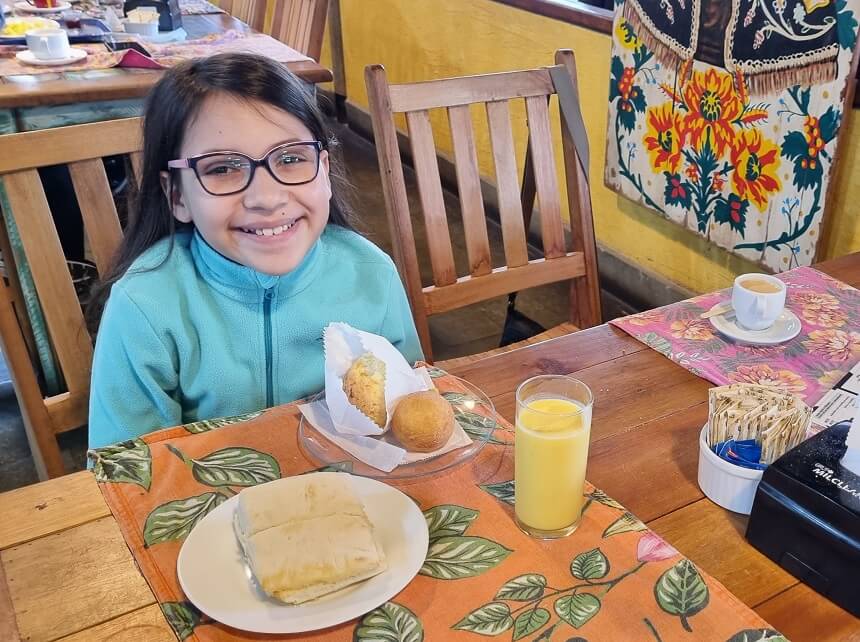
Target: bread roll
column 364, row 385
column 423, row 421
column 306, row 536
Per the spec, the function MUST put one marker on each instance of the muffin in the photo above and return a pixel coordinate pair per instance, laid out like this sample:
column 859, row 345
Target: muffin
column 364, row 385
column 423, row 421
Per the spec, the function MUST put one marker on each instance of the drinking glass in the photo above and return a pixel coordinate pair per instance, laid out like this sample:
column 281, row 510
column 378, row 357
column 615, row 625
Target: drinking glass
column 551, row 449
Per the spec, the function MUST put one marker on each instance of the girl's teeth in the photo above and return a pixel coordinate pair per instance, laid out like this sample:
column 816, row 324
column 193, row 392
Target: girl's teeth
column 270, row 231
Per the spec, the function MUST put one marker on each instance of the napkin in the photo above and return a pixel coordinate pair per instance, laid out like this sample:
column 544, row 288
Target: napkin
column 344, row 424
column 344, row 344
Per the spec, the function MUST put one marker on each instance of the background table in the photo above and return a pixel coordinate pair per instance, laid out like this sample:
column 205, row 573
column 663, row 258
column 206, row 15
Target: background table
column 59, row 540
column 117, row 84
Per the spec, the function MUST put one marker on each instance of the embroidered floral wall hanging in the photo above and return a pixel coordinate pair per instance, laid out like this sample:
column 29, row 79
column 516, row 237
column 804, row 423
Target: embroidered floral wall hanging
column 724, row 116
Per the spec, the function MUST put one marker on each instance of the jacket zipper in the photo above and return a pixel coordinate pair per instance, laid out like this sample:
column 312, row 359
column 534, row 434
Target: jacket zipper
column 268, row 295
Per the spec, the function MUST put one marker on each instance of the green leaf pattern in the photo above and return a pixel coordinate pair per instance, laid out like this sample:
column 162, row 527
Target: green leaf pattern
column 448, row 520
column 235, row 467
column 681, row 591
column 523, row 588
column 501, row 490
column 529, row 622
column 577, row 609
column 390, row 622
column 758, row 635
column 174, row 520
column 182, row 617
column 211, row 424
column 451, row 558
column 627, row 523
column 490, row 619
column 127, row 461
column 590, row 565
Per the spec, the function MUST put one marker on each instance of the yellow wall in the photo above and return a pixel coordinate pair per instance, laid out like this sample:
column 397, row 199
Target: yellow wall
column 424, row 39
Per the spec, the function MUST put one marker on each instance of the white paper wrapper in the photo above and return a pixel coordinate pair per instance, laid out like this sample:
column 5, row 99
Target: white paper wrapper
column 346, row 425
column 344, row 344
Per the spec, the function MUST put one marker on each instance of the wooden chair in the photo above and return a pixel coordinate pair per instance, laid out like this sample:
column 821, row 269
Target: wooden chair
column 300, row 24
column 449, row 290
column 251, row 12
column 82, row 148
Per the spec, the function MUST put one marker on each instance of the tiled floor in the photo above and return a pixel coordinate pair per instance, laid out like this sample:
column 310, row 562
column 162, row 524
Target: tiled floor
column 465, row 331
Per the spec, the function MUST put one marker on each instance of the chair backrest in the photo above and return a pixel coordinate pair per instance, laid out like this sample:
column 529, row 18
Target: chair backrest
column 29, row 218
column 300, row 24
column 251, row 12
column 450, row 290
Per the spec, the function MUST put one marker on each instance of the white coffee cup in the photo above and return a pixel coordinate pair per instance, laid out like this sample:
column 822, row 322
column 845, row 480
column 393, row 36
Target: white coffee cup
column 757, row 299
column 49, row 44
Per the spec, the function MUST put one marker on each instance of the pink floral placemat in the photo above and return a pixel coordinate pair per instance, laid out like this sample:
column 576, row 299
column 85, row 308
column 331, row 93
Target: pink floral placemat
column 197, row 7
column 162, row 56
column 809, row 365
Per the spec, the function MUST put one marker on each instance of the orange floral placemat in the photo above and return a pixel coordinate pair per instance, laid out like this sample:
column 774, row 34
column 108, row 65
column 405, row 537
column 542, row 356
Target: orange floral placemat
column 613, row 579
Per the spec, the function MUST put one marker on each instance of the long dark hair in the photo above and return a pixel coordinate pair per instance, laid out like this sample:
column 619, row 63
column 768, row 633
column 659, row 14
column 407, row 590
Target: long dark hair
column 170, row 107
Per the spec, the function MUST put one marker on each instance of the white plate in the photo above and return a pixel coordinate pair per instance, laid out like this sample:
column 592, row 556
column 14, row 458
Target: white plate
column 28, row 8
column 28, row 58
column 786, row 326
column 216, row 579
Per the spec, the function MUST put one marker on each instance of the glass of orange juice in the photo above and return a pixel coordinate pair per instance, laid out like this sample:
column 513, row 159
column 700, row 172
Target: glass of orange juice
column 550, row 454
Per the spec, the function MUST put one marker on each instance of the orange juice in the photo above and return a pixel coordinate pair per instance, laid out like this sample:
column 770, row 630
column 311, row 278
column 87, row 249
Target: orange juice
column 550, row 454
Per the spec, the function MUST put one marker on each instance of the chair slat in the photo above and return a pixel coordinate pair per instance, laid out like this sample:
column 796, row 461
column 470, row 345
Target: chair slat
column 136, row 160
column 396, row 200
column 51, row 277
column 59, row 146
column 303, row 25
column 546, row 181
column 507, row 182
column 101, row 223
column 292, row 23
column 469, row 187
column 432, row 201
column 585, row 306
column 470, row 89
column 503, row 280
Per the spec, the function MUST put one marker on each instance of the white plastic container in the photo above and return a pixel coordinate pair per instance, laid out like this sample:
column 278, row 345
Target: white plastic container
column 142, row 28
column 732, row 487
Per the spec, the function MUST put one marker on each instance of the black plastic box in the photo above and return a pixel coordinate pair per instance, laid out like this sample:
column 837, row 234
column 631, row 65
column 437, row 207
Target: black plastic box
column 806, row 517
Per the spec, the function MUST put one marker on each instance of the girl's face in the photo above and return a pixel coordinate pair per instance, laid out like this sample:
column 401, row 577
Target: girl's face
column 269, row 226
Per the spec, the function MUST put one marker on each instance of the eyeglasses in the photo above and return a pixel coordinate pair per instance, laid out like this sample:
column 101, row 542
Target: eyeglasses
column 225, row 173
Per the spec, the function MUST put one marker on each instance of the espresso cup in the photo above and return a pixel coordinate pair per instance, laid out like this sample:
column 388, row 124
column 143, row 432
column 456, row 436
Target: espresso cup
column 757, row 299
column 48, row 44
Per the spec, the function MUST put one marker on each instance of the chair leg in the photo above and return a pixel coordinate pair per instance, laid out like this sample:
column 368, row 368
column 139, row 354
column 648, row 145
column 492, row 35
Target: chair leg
column 37, row 422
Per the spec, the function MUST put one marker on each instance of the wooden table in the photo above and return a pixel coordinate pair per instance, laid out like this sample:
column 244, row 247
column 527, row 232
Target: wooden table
column 115, row 84
column 65, row 572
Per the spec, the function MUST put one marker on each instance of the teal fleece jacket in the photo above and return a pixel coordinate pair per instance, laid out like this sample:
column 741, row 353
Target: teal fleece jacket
column 187, row 334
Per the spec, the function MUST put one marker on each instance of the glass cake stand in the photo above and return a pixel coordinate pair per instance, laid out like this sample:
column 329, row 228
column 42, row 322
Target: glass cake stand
column 473, row 411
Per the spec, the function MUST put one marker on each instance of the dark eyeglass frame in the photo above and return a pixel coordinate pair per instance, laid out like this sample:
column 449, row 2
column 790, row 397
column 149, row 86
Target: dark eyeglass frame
column 192, row 161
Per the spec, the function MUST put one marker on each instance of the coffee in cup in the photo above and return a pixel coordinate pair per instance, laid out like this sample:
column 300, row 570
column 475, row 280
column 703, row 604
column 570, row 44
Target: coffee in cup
column 757, row 299
column 49, row 44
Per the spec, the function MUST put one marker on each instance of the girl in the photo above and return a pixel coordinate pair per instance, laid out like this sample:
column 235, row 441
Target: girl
column 237, row 255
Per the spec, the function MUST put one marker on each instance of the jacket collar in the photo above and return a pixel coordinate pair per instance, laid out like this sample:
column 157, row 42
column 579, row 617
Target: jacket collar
column 243, row 283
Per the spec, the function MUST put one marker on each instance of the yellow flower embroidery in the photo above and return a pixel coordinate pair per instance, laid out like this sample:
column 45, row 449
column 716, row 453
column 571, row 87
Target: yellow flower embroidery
column 766, row 376
column 692, row 329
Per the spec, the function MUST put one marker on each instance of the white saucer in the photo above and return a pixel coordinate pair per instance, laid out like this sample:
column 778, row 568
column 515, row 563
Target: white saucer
column 786, row 326
column 28, row 58
column 28, row 8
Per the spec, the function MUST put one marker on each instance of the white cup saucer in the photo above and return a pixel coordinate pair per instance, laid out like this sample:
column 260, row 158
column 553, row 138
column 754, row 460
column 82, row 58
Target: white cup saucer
column 787, row 326
column 75, row 55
